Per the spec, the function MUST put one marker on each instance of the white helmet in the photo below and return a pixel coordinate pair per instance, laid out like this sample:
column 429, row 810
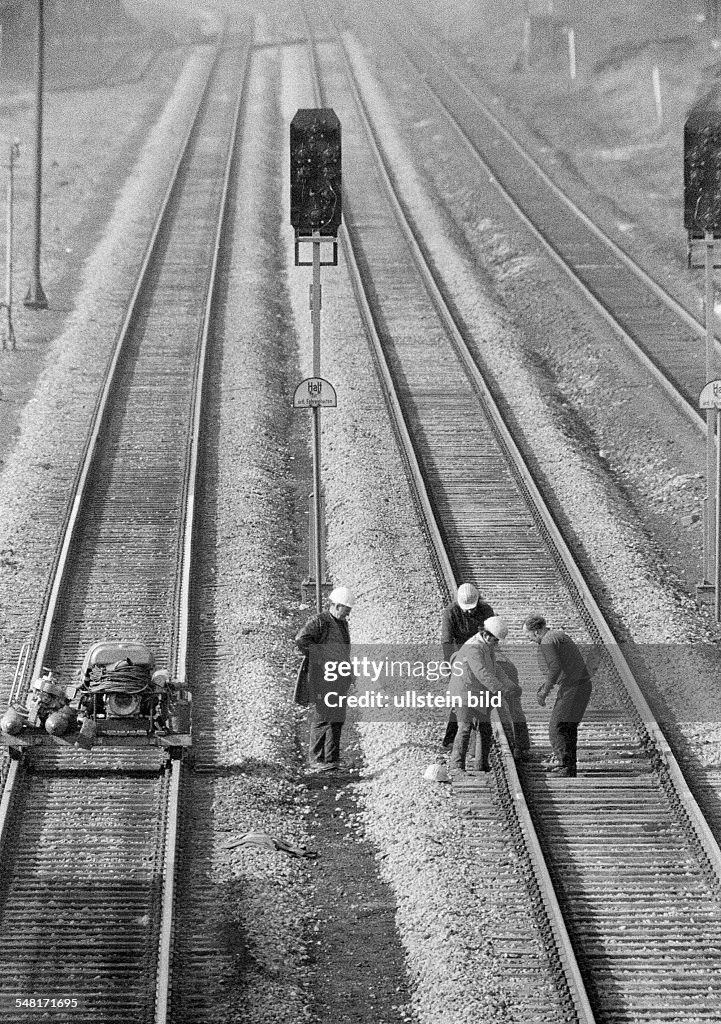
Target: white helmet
column 496, row 627
column 467, row 596
column 436, row 773
column 342, row 595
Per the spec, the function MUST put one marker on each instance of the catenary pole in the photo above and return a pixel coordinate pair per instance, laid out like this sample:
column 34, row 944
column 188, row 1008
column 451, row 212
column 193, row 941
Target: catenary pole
column 36, row 298
column 9, row 336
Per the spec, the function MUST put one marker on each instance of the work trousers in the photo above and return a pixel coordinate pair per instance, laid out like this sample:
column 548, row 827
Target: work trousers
column 451, row 730
column 324, row 742
column 570, row 706
column 468, row 720
column 514, row 709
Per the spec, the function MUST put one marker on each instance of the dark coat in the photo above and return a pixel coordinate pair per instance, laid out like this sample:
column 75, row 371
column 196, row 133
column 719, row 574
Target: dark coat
column 457, row 626
column 560, row 661
column 325, row 639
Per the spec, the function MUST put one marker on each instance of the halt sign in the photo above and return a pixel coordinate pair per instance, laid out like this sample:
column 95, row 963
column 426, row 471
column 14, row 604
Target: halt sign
column 711, row 395
column 314, row 392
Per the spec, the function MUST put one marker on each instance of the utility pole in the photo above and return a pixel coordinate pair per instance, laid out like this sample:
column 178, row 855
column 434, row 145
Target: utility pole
column 36, row 298
column 7, row 305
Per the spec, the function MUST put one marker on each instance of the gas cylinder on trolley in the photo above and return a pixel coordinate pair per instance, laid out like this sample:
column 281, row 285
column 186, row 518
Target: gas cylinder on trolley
column 48, row 704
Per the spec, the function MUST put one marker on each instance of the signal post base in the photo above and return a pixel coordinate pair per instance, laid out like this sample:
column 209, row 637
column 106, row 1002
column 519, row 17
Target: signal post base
column 705, row 593
column 36, row 297
column 8, row 334
column 307, row 590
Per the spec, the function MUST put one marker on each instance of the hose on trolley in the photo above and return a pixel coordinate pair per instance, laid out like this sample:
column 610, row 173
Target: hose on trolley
column 122, row 677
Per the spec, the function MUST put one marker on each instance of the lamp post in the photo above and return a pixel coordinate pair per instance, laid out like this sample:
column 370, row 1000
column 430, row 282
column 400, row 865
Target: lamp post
column 36, row 298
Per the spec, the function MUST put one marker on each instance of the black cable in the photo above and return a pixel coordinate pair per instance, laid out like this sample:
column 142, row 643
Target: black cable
column 122, row 677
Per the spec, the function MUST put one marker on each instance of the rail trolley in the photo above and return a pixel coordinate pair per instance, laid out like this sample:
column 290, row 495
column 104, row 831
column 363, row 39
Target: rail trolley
column 118, row 697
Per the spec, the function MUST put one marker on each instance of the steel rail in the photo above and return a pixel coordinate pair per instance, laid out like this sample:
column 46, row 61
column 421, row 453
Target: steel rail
column 164, row 971
column 167, row 914
column 646, row 359
column 77, row 495
column 564, row 947
column 681, row 403
column 182, row 602
column 705, row 842
column 555, row 538
column 678, row 308
column 546, row 889
column 78, row 491
column 405, row 445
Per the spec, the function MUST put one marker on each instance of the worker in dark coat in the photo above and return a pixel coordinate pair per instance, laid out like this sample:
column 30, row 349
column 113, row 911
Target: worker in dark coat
column 326, row 638
column 478, row 682
column 562, row 665
column 462, row 619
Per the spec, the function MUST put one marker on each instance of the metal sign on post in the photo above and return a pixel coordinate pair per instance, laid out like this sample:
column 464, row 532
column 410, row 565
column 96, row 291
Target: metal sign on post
column 315, row 391
column 315, row 213
column 710, row 400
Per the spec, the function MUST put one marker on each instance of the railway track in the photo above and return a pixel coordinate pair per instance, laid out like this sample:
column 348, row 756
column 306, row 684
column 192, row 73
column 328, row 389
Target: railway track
column 661, row 332
column 631, row 859
column 89, row 838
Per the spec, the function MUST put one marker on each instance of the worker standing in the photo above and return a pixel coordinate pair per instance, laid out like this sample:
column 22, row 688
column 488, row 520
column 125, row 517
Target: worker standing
column 474, row 686
column 562, row 664
column 462, row 619
column 328, row 633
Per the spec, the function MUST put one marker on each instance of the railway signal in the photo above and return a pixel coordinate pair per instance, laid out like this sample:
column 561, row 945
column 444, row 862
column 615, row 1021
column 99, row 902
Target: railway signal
column 702, row 220
column 702, row 172
column 315, row 213
column 315, row 172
